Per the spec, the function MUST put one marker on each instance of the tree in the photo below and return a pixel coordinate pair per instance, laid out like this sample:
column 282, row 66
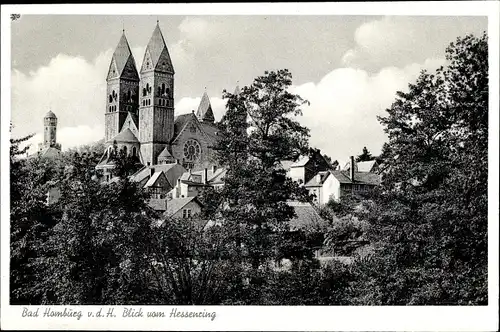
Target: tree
column 365, row 155
column 99, row 252
column 192, row 263
column 429, row 221
column 259, row 130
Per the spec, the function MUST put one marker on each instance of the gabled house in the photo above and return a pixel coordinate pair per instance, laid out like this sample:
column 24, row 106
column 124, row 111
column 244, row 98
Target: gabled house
column 316, row 187
column 183, row 207
column 306, row 167
column 333, row 184
column 350, row 182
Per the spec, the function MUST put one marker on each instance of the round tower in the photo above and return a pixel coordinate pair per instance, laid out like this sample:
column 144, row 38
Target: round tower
column 50, row 130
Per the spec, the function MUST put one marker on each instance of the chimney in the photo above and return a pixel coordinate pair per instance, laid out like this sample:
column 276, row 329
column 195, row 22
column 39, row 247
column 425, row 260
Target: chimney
column 351, row 170
column 152, row 171
column 214, row 168
column 204, row 176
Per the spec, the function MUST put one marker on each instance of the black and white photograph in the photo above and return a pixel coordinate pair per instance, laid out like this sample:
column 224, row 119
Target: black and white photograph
column 162, row 166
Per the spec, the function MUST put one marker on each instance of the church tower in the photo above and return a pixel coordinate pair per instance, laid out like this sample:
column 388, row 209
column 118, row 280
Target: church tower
column 156, row 101
column 122, row 89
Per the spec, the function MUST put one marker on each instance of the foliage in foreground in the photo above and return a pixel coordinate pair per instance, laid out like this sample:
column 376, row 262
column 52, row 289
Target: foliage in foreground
column 419, row 239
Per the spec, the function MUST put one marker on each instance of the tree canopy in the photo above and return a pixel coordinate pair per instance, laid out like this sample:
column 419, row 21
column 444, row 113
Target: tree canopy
column 429, row 219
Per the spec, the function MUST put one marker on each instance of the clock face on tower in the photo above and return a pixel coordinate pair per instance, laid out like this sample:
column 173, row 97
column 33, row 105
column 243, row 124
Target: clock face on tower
column 192, row 150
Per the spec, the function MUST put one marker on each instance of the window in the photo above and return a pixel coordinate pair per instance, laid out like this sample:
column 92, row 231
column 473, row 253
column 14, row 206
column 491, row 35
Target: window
column 192, row 150
column 186, row 213
column 163, row 88
column 134, row 151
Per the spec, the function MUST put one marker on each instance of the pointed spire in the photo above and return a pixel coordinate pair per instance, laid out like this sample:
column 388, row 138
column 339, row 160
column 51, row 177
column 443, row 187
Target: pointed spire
column 205, row 112
column 156, row 56
column 123, row 63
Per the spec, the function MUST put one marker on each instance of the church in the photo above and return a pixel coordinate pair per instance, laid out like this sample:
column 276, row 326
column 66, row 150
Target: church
column 139, row 115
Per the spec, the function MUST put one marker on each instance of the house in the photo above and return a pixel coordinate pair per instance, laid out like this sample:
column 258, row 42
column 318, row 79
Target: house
column 333, row 184
column 183, row 207
column 316, row 187
column 191, row 183
column 305, row 167
column 350, row 182
column 158, row 180
column 53, row 192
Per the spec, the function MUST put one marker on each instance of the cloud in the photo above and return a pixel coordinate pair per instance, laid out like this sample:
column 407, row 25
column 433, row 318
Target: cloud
column 188, row 104
column 72, row 87
column 402, row 40
column 344, row 105
column 69, row 137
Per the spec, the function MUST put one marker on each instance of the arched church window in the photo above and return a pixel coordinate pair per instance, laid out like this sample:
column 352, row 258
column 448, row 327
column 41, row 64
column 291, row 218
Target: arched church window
column 168, row 92
column 125, row 150
column 134, row 151
column 159, row 91
column 163, row 88
column 129, row 96
column 143, row 92
column 110, row 98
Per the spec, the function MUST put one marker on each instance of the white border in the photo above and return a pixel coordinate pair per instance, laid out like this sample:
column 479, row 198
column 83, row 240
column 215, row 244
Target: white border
column 253, row 318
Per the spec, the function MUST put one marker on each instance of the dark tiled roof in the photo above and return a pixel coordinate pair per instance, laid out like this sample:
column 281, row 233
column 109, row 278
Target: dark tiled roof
column 359, row 177
column 180, row 121
column 315, row 182
column 209, row 129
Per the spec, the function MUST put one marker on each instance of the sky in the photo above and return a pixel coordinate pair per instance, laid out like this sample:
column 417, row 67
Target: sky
column 348, row 67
